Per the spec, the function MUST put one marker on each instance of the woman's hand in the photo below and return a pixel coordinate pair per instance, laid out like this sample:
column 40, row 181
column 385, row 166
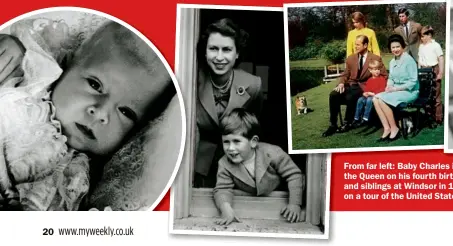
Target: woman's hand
column 291, row 213
column 390, row 89
column 11, row 53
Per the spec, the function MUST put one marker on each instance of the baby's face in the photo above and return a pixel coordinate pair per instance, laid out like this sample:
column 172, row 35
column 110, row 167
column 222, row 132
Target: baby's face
column 100, row 101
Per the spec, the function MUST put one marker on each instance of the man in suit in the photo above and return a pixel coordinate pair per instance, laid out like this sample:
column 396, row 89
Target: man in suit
column 349, row 88
column 410, row 31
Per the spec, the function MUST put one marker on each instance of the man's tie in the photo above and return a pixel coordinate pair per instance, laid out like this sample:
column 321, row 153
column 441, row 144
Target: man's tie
column 407, row 31
column 360, row 66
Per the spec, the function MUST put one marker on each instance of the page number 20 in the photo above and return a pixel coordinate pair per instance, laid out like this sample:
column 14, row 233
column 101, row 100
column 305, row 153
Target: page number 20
column 47, row 231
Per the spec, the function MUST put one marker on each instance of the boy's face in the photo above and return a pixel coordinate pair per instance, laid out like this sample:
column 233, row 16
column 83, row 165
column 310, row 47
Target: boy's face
column 238, row 148
column 425, row 38
column 403, row 18
column 99, row 101
column 375, row 72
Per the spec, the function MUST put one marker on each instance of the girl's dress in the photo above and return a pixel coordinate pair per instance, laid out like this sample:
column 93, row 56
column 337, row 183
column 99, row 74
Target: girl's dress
column 37, row 168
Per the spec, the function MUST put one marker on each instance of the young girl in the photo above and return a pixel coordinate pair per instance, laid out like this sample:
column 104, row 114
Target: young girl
column 430, row 55
column 52, row 121
column 373, row 86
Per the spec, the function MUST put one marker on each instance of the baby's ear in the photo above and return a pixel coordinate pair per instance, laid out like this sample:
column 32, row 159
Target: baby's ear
column 254, row 141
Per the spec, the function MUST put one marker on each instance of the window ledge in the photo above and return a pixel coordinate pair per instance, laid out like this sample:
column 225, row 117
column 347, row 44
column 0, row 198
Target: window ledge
column 245, row 205
column 247, row 225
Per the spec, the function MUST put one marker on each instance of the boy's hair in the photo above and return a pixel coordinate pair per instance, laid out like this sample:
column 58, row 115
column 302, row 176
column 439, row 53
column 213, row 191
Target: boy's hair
column 375, row 64
column 239, row 121
column 403, row 11
column 427, row 30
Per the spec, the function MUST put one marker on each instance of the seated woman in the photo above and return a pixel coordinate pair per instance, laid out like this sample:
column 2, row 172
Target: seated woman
column 402, row 87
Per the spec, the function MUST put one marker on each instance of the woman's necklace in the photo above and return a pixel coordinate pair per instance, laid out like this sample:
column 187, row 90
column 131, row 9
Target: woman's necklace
column 225, row 87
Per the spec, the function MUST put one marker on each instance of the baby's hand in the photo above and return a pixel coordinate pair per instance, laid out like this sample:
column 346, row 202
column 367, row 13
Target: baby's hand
column 228, row 216
column 291, row 213
column 11, row 53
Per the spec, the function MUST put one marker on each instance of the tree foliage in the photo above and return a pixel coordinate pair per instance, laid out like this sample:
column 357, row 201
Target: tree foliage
column 309, row 26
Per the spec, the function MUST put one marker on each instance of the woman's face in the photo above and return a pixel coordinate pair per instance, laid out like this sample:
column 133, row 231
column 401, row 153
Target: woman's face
column 396, row 48
column 221, row 53
column 357, row 24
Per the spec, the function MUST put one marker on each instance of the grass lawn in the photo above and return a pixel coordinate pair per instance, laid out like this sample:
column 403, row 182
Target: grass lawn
column 307, row 129
column 320, row 63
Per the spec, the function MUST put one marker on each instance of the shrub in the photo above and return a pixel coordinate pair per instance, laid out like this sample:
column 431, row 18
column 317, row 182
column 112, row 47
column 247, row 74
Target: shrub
column 308, row 51
column 334, row 51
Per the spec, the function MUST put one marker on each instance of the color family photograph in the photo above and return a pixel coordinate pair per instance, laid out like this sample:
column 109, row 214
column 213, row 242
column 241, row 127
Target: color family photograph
column 365, row 77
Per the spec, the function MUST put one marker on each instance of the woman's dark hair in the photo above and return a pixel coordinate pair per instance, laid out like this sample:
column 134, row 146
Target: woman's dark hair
column 396, row 38
column 225, row 27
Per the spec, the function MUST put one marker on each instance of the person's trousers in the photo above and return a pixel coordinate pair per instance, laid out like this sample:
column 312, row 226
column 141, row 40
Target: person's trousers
column 349, row 98
column 365, row 105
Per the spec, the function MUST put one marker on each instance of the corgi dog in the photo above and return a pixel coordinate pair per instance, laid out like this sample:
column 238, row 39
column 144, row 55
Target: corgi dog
column 301, row 105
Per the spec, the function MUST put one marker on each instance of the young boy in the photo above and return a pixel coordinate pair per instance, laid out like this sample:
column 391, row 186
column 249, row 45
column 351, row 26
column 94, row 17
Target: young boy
column 430, row 55
column 253, row 167
column 373, row 86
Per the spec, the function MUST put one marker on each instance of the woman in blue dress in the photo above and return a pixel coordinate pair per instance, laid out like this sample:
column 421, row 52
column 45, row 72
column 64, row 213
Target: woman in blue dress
column 402, row 87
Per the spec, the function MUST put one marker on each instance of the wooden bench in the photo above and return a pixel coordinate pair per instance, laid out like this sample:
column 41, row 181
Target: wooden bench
column 328, row 75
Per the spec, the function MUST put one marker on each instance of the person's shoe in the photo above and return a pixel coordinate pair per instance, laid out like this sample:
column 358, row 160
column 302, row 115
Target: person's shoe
column 330, row 131
column 345, row 128
column 358, row 124
column 398, row 135
column 383, row 139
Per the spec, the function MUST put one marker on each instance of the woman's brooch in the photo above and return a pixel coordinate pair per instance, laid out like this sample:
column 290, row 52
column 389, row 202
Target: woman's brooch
column 240, row 90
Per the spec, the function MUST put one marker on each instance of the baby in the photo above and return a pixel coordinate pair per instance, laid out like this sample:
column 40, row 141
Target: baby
column 53, row 120
column 373, row 86
column 430, row 55
column 253, row 167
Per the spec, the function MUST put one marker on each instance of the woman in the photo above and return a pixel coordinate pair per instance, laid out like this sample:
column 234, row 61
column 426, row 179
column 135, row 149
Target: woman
column 402, row 87
column 359, row 23
column 221, row 87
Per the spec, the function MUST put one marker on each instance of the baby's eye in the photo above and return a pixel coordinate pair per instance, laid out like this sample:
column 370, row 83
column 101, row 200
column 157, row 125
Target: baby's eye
column 96, row 85
column 129, row 113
